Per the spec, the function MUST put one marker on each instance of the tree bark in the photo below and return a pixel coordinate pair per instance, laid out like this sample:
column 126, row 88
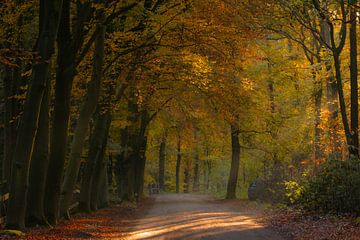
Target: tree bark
column 207, row 170
column 69, row 44
column 103, row 192
column 35, row 214
column 178, row 164
column 102, row 126
column 140, row 153
column 86, row 112
column 12, row 83
column 99, row 178
column 196, row 179
column 49, row 21
column 331, row 93
column 129, row 144
column 235, row 163
column 187, row 176
column 162, row 156
column 317, row 103
column 336, row 48
column 354, row 106
column 196, row 183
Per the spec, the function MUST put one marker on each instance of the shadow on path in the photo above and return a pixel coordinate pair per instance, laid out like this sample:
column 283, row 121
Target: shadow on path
column 186, row 216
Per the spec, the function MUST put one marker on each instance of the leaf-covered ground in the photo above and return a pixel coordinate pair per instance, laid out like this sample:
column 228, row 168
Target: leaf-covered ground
column 117, row 221
column 112, row 222
column 298, row 225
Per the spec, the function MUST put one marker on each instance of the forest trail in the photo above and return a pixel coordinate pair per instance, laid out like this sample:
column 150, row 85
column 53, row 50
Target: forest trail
column 190, row 216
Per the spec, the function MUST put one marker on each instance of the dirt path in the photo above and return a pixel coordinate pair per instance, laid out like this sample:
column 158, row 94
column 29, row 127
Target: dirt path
column 187, row 216
column 168, row 216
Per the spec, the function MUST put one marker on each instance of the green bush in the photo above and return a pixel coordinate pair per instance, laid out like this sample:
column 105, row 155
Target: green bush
column 334, row 189
column 293, row 191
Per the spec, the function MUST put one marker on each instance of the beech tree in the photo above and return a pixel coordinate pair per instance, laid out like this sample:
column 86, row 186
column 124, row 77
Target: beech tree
column 50, row 12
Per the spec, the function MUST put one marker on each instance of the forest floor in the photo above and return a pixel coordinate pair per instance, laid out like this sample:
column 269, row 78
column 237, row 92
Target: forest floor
column 299, row 225
column 192, row 216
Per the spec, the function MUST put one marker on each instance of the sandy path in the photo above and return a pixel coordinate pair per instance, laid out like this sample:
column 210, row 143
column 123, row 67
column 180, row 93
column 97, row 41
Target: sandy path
column 187, row 216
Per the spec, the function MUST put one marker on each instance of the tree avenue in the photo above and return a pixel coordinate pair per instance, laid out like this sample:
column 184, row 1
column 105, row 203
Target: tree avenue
column 107, row 101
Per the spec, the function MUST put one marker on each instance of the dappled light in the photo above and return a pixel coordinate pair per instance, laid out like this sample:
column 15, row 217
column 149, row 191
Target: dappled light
column 197, row 217
column 108, row 104
column 194, row 225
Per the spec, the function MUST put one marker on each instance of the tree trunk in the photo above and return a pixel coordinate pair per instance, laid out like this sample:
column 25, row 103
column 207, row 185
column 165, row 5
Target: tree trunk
column 102, row 127
column 49, row 20
column 103, row 195
column 129, row 169
column 336, row 49
column 130, row 152
column 196, row 182
column 140, row 159
column 86, row 112
column 207, row 170
column 162, row 155
column 354, row 107
column 120, row 170
column 12, row 83
column 235, row 163
column 342, row 103
column 99, row 178
column 35, row 214
column 196, row 179
column 317, row 103
column 331, row 94
column 69, row 45
column 187, row 176
column 178, row 164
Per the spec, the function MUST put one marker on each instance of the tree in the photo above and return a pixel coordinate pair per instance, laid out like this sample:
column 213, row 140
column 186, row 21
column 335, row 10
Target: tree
column 50, row 12
column 86, row 112
column 178, row 164
column 235, row 162
column 162, row 155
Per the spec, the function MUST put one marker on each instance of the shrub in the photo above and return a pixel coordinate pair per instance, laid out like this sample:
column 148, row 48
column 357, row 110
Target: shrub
column 335, row 189
column 293, row 191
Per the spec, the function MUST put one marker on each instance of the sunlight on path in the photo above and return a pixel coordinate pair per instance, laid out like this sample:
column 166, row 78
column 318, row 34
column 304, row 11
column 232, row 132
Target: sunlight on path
column 193, row 217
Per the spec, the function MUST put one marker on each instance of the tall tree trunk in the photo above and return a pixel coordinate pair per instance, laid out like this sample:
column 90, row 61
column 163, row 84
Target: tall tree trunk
column 331, row 94
column 130, row 136
column 12, row 83
column 341, row 97
column 86, row 112
column 120, row 177
column 317, row 103
column 162, row 155
column 99, row 178
column 129, row 163
column 276, row 174
column 69, row 45
column 354, row 106
column 110, row 171
column 187, row 176
column 102, row 126
column 140, row 159
column 178, row 164
column 235, row 163
column 207, row 171
column 333, row 108
column 196, row 177
column 35, row 214
column 140, row 167
column 196, row 183
column 49, row 21
column 103, row 200
column 336, row 46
